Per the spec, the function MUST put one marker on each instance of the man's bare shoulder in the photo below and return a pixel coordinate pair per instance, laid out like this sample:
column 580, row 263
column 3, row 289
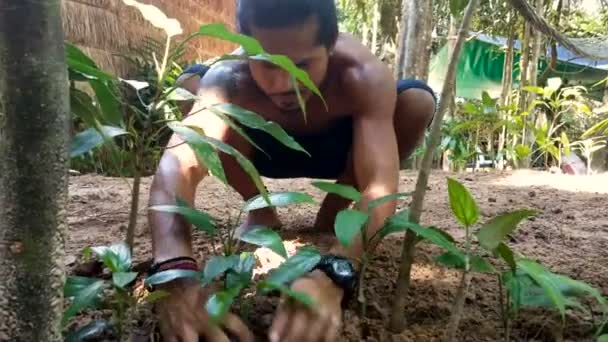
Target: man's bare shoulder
column 224, row 79
column 365, row 77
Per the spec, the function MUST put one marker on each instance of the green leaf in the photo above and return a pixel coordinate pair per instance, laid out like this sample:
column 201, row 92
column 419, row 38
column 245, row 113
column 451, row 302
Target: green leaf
column 116, row 257
column 75, row 284
column 301, row 101
column 218, row 265
column 522, row 151
column 487, row 100
column 81, row 64
column 535, row 90
column 462, row 203
column 302, row 262
column 348, row 224
column 81, row 106
column 170, row 275
column 277, row 199
column 205, row 153
column 109, row 103
column 255, row 121
column 219, row 303
column 542, row 277
column 469, row 108
column 388, row 198
column 477, row 263
column 90, row 138
column 301, row 297
column 202, row 221
column 457, row 6
column 565, row 143
column 603, row 338
column 196, row 140
column 437, row 237
column 89, row 332
column 491, row 234
column 399, row 222
column 265, row 237
column 507, row 255
column 238, row 129
column 249, row 45
column 346, row 191
column 241, row 274
column 122, row 279
column 86, row 297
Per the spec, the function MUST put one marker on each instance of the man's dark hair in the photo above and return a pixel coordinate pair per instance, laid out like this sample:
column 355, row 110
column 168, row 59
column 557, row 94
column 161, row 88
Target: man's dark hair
column 283, row 13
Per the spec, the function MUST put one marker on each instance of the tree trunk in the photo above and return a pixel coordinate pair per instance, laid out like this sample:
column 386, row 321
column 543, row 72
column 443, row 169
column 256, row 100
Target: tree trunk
column 365, row 33
column 452, row 31
column 536, row 44
column 397, row 320
column 414, row 41
column 400, row 55
column 34, row 138
column 507, row 83
column 523, row 69
column 375, row 27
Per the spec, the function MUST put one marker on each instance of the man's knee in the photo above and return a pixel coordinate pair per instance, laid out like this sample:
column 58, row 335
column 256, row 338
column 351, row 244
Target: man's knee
column 417, row 105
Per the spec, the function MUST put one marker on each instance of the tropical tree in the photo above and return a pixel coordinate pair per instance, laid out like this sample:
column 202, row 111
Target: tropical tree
column 34, row 137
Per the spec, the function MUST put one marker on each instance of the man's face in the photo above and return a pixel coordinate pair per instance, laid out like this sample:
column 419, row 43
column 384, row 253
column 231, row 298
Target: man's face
column 299, row 43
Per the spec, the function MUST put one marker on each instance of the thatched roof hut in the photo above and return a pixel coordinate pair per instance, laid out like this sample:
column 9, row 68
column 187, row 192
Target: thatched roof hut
column 104, row 28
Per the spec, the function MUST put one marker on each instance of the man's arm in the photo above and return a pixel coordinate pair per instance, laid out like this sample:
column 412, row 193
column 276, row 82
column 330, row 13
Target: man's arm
column 375, row 152
column 179, row 173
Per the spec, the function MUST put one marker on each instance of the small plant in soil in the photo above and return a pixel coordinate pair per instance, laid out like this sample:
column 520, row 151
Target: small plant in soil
column 235, row 269
column 527, row 282
column 115, row 292
column 350, row 223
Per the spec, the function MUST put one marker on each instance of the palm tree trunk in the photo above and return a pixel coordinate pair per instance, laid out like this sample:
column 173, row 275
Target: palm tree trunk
column 34, row 139
column 397, row 319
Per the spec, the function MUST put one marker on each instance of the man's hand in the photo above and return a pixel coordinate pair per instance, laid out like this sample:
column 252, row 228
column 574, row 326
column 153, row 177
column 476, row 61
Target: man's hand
column 183, row 317
column 294, row 322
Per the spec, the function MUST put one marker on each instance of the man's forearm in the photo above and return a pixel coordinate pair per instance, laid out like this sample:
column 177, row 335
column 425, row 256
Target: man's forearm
column 171, row 234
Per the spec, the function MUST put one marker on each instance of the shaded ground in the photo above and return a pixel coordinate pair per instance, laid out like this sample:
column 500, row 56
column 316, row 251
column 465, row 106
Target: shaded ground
column 570, row 236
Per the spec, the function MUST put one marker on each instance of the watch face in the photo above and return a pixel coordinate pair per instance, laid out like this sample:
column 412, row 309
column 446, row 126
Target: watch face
column 342, row 268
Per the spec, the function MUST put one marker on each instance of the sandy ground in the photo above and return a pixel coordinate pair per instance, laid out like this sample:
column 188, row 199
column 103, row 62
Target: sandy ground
column 570, row 235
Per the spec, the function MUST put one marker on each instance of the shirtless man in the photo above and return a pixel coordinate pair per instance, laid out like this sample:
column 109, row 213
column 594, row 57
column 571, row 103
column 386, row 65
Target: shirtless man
column 372, row 123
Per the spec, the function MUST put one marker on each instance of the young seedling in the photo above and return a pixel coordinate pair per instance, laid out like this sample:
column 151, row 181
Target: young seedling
column 236, row 270
column 352, row 222
column 527, row 282
column 115, row 294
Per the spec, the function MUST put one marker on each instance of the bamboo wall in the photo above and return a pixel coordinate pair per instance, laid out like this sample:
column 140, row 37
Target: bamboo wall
column 104, row 28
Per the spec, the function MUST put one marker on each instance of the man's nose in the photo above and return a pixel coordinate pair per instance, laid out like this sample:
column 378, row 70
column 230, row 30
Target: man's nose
column 281, row 82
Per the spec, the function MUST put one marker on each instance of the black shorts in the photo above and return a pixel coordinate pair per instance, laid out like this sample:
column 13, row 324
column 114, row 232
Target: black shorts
column 328, row 149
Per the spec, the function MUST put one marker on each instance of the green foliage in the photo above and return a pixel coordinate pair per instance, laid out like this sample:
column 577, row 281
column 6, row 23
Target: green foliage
column 345, row 191
column 491, row 234
column 302, row 262
column 348, row 224
column 201, row 220
column 265, row 237
column 462, row 203
column 278, row 199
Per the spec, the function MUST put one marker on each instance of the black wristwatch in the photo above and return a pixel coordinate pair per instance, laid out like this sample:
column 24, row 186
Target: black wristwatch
column 341, row 271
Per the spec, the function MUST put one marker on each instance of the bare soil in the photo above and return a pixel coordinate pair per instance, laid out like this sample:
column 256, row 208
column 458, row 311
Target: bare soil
column 570, row 236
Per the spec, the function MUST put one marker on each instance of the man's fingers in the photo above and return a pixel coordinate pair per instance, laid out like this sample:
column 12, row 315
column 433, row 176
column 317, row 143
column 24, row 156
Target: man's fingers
column 188, row 334
column 332, row 329
column 279, row 324
column 236, row 326
column 316, row 331
column 298, row 325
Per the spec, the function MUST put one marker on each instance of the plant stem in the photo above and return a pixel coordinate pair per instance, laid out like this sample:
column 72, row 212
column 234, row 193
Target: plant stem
column 134, row 204
column 461, row 294
column 361, row 291
column 503, row 309
column 397, row 320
